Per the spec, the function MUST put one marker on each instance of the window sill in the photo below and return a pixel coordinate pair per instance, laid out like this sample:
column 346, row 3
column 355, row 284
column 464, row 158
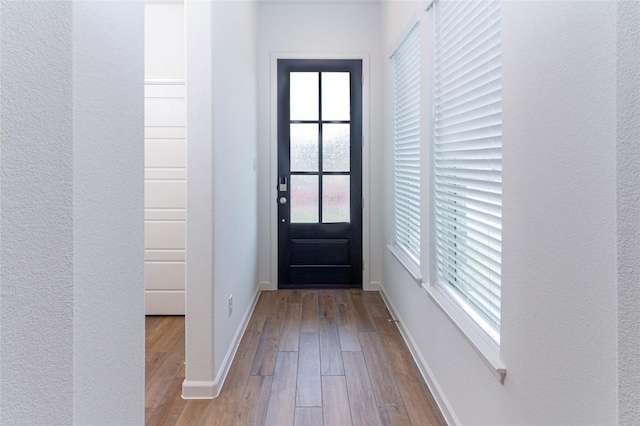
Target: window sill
column 485, row 349
column 408, row 264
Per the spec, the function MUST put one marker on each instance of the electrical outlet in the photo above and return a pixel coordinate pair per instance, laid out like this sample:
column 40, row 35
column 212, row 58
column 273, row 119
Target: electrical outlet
column 230, row 305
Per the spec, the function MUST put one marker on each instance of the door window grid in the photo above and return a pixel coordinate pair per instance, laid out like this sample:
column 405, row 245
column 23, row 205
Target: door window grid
column 309, row 115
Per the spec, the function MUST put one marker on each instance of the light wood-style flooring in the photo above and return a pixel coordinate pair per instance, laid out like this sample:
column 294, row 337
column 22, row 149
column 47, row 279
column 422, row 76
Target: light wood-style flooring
column 325, row 357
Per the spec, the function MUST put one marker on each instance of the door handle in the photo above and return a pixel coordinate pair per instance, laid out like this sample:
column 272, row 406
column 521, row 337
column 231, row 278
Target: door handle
column 283, row 200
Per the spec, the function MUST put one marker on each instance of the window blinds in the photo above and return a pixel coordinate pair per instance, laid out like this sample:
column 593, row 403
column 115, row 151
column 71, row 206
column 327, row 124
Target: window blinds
column 467, row 160
column 406, row 85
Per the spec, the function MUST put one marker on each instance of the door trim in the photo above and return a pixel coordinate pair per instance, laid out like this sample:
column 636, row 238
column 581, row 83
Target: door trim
column 273, row 146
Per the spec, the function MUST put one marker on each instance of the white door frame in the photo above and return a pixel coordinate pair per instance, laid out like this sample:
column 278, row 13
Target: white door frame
column 273, row 146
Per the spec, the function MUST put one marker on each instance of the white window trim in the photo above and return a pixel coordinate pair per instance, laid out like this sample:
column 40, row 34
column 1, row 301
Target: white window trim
column 406, row 261
column 487, row 350
column 477, row 338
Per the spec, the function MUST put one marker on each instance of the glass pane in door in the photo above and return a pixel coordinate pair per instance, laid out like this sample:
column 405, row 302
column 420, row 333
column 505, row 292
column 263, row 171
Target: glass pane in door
column 335, row 147
column 304, row 96
column 336, row 96
column 336, row 199
column 304, row 147
column 304, row 199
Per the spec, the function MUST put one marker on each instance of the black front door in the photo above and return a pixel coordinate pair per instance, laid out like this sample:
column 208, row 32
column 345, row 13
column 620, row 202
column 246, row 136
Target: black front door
column 319, row 173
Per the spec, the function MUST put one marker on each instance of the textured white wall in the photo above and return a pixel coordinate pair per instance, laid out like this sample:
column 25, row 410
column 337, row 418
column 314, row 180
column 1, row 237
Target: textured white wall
column 559, row 246
column 628, row 203
column 108, row 214
column 36, row 213
column 71, row 217
column 221, row 184
column 318, row 29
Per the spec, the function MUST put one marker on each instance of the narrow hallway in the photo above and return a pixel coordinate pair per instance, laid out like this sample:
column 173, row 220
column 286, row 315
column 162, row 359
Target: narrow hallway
column 326, row 357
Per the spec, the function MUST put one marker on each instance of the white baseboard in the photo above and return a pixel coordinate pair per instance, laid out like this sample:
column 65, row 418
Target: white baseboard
column 266, row 286
column 372, row 286
column 164, row 302
column 231, row 353
column 199, row 390
column 442, row 401
column 209, row 390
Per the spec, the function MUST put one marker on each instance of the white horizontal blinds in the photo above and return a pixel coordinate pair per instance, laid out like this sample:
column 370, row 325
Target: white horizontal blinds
column 468, row 156
column 406, row 86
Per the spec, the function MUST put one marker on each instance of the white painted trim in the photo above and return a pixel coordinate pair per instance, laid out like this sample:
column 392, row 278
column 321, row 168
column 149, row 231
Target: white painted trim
column 373, row 286
column 414, row 20
column 199, row 389
column 434, row 387
column 405, row 261
column 265, row 286
column 273, row 146
column 164, row 302
column 164, row 81
column 478, row 340
column 231, row 353
column 210, row 390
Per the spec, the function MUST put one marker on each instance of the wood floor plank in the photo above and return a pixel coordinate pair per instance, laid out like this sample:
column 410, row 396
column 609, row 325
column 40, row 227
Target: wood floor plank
column 276, row 302
column 260, row 312
column 221, row 415
column 265, row 359
column 170, row 337
column 347, row 331
column 158, row 331
column 153, row 360
column 170, row 407
column 308, row 416
column 309, row 311
column 282, row 401
column 233, row 388
column 309, row 386
column 330, row 351
column 255, row 401
column 364, row 409
column 360, row 313
column 382, row 380
column 335, row 407
column 195, row 412
column 415, row 401
column 341, row 297
column 290, row 333
column 325, row 303
column 375, row 304
column 157, row 384
column 397, row 352
column 150, row 321
column 294, row 296
column 394, row 416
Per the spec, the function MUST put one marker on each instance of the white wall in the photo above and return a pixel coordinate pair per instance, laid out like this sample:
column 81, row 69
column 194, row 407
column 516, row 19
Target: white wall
column 221, row 186
column 72, row 226
column 559, row 305
column 628, row 203
column 323, row 29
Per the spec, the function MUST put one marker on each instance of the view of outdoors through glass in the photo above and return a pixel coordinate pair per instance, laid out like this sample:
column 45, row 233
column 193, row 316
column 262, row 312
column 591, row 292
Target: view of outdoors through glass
column 320, row 143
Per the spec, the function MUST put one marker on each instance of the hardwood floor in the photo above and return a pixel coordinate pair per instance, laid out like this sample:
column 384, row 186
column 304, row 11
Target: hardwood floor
column 325, row 357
